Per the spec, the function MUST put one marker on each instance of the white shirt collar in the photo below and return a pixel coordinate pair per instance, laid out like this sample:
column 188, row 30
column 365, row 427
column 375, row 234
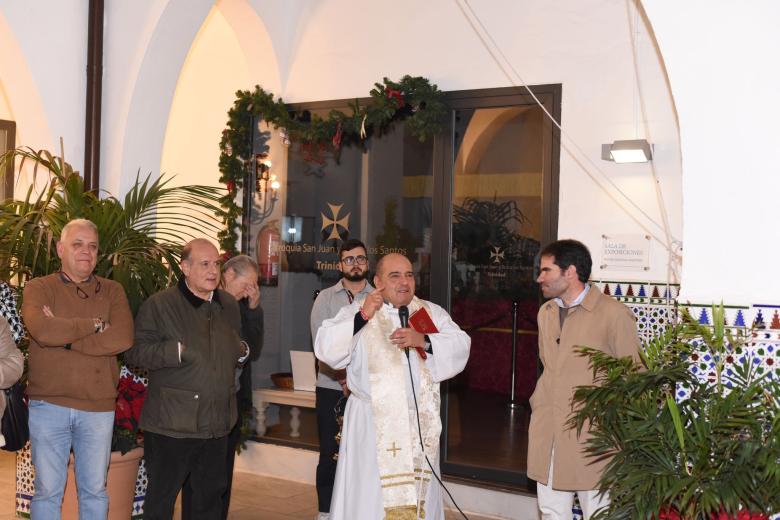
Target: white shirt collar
column 577, row 300
column 211, row 294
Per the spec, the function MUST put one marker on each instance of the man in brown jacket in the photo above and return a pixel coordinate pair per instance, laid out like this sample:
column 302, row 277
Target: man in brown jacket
column 577, row 314
column 77, row 322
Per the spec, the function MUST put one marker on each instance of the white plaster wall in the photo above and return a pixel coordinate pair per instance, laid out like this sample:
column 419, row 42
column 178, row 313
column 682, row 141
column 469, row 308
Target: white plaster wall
column 5, row 107
column 51, row 37
column 145, row 45
column 147, row 86
column 721, row 61
column 323, row 50
column 170, row 100
column 214, row 70
column 585, row 45
column 37, row 82
column 128, row 31
column 19, row 98
column 601, row 93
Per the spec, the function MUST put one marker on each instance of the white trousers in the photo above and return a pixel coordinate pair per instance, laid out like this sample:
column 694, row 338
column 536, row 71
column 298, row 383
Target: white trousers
column 557, row 505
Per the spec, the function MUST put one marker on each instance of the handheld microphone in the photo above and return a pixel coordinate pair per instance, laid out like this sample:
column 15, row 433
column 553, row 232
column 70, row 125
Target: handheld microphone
column 403, row 315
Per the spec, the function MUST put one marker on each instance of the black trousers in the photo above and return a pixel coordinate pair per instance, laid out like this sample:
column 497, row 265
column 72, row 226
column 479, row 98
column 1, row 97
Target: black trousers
column 230, row 456
column 327, row 399
column 170, row 461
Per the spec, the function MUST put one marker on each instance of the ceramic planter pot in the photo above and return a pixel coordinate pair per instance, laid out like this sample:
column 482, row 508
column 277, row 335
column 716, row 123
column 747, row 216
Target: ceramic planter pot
column 120, row 484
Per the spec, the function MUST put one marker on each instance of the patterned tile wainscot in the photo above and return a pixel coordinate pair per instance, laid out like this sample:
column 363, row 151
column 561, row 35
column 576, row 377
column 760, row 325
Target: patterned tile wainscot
column 655, row 305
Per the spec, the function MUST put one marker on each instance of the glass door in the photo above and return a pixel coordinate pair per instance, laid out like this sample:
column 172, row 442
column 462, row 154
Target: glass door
column 381, row 195
column 503, row 210
column 470, row 209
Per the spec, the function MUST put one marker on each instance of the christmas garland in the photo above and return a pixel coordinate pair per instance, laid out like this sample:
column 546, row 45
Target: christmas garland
column 413, row 99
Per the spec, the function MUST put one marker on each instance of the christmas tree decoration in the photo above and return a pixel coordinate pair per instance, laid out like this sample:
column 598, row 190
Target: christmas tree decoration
column 336, row 141
column 285, row 136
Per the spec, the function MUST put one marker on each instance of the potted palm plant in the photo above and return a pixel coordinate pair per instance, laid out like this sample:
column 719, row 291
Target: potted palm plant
column 141, row 238
column 682, row 446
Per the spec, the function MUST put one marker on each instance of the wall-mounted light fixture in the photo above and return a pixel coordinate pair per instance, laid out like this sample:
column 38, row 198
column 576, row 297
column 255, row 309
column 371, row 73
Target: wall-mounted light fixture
column 629, row 151
column 292, row 229
column 266, row 188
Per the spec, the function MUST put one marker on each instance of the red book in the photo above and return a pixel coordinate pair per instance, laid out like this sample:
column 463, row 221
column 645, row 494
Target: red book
column 421, row 321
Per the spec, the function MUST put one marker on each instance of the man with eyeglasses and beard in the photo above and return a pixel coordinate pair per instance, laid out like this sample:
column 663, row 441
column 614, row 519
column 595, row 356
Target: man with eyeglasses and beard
column 77, row 322
column 332, row 384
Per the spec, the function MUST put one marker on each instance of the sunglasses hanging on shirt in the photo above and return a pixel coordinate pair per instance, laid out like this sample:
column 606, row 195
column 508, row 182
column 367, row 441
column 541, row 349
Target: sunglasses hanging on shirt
column 81, row 293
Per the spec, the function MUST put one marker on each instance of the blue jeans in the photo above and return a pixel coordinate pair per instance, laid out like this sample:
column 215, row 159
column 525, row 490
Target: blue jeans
column 54, row 430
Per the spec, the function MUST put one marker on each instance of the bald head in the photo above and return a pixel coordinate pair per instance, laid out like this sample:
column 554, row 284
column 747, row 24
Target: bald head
column 200, row 265
column 196, row 244
column 78, row 249
column 391, row 258
column 394, row 276
column 77, row 223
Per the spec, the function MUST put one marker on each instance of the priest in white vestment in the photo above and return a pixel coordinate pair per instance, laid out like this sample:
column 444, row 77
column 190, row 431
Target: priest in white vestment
column 382, row 470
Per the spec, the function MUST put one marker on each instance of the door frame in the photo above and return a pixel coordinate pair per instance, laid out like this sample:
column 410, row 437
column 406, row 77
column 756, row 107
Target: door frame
column 444, row 178
column 7, row 182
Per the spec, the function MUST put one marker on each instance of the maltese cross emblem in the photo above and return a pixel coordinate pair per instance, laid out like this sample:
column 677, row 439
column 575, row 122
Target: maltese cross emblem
column 335, row 222
column 497, row 255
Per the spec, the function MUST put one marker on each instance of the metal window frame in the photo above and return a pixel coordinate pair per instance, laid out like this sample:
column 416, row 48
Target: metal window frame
column 7, row 180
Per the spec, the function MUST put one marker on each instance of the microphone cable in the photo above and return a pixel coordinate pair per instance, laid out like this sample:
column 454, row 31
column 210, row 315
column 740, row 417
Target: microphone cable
column 422, row 443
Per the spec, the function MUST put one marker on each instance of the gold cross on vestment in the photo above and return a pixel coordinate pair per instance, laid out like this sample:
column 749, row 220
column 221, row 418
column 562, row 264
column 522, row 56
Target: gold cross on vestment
column 394, row 449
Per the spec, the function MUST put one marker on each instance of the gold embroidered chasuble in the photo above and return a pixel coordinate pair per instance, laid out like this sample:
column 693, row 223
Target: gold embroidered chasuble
column 403, row 471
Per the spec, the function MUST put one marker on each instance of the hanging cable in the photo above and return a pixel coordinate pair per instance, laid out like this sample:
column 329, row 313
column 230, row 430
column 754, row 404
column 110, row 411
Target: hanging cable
column 505, row 66
column 673, row 259
column 422, row 447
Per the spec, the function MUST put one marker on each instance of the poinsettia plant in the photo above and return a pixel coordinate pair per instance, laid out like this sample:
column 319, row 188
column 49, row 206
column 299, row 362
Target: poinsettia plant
column 131, row 392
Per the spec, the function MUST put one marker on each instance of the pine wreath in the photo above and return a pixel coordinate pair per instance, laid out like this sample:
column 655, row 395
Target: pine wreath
column 412, row 99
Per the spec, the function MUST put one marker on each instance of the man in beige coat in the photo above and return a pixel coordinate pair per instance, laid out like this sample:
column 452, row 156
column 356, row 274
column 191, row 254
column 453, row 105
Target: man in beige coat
column 577, row 314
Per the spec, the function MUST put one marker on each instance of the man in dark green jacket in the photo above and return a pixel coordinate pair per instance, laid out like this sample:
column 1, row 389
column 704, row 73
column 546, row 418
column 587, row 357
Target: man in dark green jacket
column 187, row 336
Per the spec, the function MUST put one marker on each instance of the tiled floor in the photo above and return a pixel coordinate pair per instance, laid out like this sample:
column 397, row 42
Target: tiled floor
column 501, row 445
column 254, row 497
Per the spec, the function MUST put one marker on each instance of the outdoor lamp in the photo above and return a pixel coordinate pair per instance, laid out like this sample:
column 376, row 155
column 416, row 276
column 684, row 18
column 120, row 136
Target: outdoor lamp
column 628, row 151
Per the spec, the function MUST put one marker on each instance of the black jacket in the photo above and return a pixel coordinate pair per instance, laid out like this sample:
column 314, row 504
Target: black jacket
column 252, row 333
column 194, row 397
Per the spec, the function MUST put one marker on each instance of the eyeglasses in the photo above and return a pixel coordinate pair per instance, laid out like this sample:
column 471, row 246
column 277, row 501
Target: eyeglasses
column 352, row 260
column 81, row 293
